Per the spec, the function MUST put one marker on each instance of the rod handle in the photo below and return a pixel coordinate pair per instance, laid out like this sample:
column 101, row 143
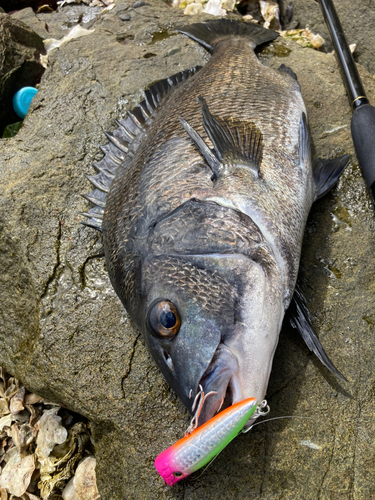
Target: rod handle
column 363, row 133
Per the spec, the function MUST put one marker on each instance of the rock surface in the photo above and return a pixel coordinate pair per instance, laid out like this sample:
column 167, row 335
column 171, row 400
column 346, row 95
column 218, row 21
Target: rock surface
column 65, row 334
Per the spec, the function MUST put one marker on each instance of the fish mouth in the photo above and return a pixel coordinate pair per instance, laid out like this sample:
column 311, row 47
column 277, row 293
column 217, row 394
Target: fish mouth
column 221, row 380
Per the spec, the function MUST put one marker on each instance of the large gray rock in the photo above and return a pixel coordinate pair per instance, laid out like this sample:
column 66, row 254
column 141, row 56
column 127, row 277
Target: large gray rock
column 65, row 334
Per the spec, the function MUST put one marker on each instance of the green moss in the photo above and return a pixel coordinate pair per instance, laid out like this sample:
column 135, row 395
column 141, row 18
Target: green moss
column 342, row 214
column 368, row 320
column 276, row 50
column 11, row 130
column 159, row 36
column 335, row 271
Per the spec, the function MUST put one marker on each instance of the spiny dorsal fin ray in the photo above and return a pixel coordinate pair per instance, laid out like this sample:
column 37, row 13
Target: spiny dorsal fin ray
column 93, row 223
column 235, row 142
column 100, row 181
column 116, row 142
column 95, row 212
column 97, row 197
column 102, row 167
column 210, row 32
column 300, row 319
column 124, row 141
column 113, row 154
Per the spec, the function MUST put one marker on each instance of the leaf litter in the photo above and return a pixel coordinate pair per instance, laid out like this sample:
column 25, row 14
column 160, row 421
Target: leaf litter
column 45, row 451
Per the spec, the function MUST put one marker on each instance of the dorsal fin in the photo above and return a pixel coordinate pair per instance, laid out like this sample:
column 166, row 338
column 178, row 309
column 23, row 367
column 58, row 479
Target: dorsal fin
column 124, row 141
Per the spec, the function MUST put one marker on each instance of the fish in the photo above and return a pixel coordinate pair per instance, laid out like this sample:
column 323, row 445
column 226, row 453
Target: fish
column 203, row 444
column 202, row 198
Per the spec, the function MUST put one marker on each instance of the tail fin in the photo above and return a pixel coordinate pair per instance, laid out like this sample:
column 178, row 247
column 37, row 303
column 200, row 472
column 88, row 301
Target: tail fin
column 210, row 32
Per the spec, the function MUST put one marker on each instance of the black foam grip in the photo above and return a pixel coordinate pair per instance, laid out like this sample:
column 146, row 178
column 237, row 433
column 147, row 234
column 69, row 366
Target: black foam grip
column 363, row 133
column 372, row 191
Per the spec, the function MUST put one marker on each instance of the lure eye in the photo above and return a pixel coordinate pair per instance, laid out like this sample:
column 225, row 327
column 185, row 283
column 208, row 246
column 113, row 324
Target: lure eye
column 177, row 473
column 164, row 319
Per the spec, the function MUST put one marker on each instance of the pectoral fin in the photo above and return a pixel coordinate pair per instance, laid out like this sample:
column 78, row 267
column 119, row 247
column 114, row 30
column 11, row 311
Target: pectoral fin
column 300, row 319
column 236, row 143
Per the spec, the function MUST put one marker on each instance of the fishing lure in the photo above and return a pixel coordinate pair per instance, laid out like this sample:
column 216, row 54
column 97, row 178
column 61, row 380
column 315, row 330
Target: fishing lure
column 200, row 445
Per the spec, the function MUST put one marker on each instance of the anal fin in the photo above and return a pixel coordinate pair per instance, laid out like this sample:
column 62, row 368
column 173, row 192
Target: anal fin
column 300, row 319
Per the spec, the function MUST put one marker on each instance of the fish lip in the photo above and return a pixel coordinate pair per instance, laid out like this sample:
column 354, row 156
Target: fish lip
column 220, row 378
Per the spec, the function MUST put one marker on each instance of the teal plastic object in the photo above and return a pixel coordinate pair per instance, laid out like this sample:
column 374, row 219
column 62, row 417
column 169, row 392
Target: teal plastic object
column 22, row 100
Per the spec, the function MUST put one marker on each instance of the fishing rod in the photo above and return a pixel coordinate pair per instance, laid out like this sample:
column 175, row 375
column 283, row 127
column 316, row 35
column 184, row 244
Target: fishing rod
column 363, row 118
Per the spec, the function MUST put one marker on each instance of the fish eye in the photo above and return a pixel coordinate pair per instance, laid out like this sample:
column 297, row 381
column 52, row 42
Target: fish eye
column 164, row 319
column 177, row 473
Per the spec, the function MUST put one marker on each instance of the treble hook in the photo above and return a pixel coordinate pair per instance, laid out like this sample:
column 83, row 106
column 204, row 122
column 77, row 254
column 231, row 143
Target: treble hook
column 262, row 409
column 198, row 403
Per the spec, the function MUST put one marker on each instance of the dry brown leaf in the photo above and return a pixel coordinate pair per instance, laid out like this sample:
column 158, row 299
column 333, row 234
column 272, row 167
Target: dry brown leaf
column 271, row 14
column 31, row 496
column 44, row 8
column 32, row 399
column 17, row 473
column 4, row 408
column 21, row 420
column 6, row 421
column 56, row 469
column 22, row 436
column 51, row 432
column 12, row 388
column 10, row 453
column 3, row 443
column 16, row 402
column 85, row 480
column 69, row 491
column 34, row 415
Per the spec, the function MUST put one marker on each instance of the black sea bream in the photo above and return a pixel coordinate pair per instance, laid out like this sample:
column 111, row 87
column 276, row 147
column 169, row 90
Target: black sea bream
column 202, row 198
